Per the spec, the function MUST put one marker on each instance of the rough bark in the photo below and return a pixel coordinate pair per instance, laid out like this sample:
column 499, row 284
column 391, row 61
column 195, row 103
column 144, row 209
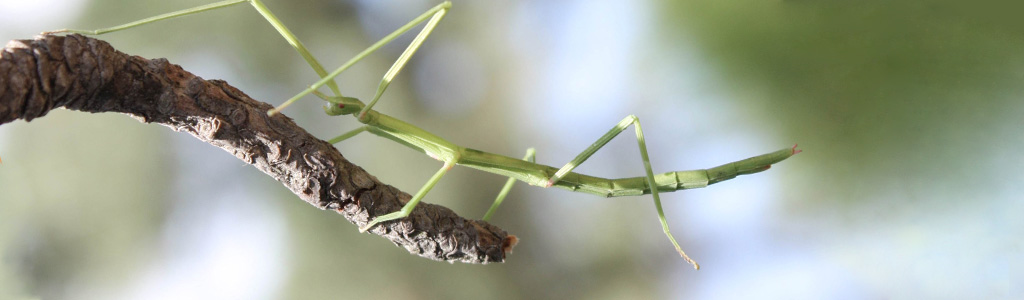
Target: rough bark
column 85, row 74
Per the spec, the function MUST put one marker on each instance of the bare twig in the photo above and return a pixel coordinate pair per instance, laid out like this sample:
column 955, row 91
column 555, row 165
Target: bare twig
column 85, row 74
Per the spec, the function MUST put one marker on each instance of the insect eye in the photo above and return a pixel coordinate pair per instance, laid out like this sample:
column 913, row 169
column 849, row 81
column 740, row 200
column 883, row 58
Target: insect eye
column 341, row 105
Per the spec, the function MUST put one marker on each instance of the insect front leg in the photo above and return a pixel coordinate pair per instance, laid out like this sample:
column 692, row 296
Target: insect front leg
column 435, row 15
column 256, row 4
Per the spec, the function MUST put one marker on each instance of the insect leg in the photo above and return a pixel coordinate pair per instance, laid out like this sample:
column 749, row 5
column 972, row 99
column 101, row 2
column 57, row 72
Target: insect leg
column 407, row 209
column 404, row 58
column 530, row 153
column 622, row 125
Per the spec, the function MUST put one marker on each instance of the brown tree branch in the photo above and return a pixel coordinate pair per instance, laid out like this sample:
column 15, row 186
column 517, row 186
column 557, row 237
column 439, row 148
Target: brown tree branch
column 85, row 74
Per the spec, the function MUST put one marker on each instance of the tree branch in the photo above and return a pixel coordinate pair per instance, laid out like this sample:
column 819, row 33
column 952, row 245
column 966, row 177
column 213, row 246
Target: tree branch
column 85, row 74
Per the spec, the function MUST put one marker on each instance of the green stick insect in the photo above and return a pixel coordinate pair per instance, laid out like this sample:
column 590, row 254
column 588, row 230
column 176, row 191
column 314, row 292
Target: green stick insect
column 525, row 169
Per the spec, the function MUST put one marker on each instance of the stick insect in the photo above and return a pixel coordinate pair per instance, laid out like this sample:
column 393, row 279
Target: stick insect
column 525, row 169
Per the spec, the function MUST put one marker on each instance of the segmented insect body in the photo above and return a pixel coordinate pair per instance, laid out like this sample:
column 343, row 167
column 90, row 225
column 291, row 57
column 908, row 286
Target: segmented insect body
column 525, row 169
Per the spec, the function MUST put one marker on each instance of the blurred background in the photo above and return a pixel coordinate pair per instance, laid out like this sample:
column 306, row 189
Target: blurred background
column 909, row 113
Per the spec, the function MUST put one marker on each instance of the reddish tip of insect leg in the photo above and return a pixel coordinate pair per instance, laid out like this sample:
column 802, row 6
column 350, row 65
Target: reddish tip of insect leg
column 549, row 183
column 795, row 150
column 509, row 243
